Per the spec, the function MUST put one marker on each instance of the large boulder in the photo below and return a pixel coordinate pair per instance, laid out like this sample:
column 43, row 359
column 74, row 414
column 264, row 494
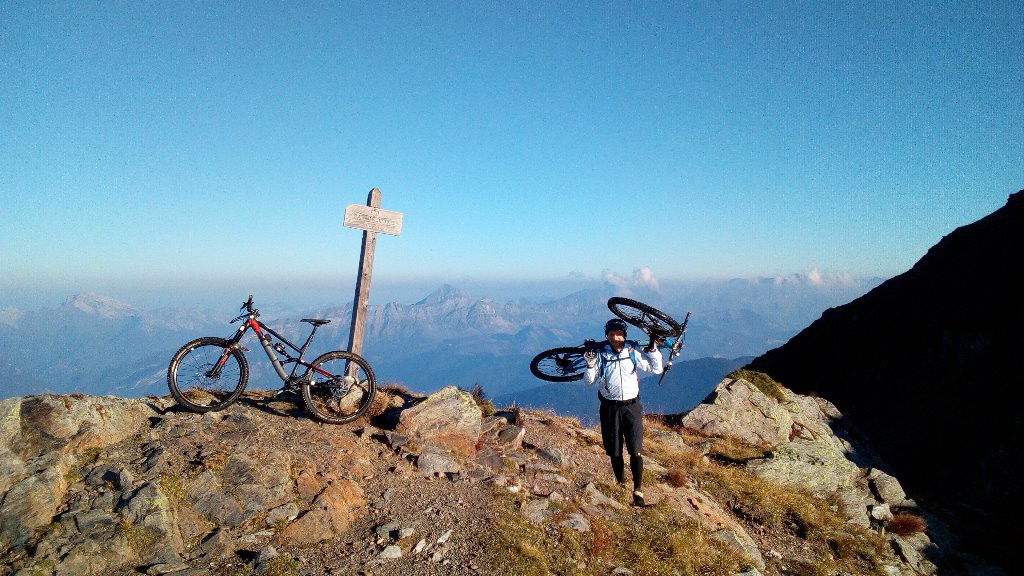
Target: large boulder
column 449, row 418
column 43, row 440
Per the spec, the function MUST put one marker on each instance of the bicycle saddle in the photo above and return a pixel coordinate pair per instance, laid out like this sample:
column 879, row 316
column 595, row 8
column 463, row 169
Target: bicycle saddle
column 316, row 322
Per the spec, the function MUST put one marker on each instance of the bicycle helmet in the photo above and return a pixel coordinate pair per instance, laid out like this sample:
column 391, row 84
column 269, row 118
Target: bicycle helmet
column 615, row 325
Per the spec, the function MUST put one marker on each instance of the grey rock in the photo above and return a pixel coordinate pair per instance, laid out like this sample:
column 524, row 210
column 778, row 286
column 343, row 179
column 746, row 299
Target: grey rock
column 511, row 437
column 537, row 510
column 218, row 544
column 881, row 512
column 887, row 488
column 742, row 545
column 596, row 497
column 815, row 466
column 386, row 530
column 553, row 455
column 577, row 522
column 434, row 463
column 449, row 417
column 391, row 552
column 282, row 514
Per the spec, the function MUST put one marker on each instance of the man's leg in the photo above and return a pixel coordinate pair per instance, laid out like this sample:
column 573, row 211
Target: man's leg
column 619, row 468
column 633, row 434
column 611, row 437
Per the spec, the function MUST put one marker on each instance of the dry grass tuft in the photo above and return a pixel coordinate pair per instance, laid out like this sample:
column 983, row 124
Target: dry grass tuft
column 480, row 397
column 394, row 388
column 676, row 477
column 518, row 416
column 905, row 524
column 380, row 404
column 733, row 450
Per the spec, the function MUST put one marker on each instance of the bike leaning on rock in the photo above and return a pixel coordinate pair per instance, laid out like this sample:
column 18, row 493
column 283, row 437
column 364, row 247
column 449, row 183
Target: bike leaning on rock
column 568, row 363
column 210, row 373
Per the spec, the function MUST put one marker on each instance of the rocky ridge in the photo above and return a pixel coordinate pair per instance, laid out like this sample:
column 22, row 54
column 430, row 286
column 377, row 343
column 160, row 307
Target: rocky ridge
column 754, row 481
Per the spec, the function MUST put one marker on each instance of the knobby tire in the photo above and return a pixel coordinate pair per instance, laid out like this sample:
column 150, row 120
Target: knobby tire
column 654, row 322
column 563, row 364
column 342, row 395
column 190, row 381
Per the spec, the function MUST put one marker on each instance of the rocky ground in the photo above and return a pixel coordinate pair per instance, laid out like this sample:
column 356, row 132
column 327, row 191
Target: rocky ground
column 439, row 485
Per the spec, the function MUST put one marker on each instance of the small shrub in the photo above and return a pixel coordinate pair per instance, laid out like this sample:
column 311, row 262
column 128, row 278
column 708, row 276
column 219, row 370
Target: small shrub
column 733, row 450
column 380, row 404
column 676, row 477
column 173, row 487
column 486, row 406
column 762, row 381
column 518, row 417
column 905, row 524
column 138, row 537
column 394, row 388
column 282, row 565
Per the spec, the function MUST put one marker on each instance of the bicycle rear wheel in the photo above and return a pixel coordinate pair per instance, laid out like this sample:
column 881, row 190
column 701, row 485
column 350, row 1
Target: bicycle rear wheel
column 649, row 319
column 207, row 375
column 339, row 387
column 563, row 364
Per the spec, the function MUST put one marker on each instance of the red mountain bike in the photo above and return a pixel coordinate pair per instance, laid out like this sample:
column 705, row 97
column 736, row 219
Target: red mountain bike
column 210, row 373
column 567, row 363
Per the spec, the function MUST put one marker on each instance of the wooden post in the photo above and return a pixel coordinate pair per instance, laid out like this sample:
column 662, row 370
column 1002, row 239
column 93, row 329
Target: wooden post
column 371, row 219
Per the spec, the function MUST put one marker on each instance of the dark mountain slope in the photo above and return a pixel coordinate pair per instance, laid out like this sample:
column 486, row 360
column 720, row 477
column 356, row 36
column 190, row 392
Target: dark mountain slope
column 928, row 365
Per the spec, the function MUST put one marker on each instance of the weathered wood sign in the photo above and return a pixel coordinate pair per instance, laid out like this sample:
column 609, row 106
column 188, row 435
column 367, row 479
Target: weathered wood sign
column 370, row 219
column 373, row 219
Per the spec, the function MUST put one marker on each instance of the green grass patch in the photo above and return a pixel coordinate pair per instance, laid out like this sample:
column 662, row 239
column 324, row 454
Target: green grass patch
column 139, row 538
column 762, row 381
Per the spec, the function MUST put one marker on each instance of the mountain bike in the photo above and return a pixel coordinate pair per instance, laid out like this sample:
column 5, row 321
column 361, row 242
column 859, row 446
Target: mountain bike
column 210, row 373
column 568, row 363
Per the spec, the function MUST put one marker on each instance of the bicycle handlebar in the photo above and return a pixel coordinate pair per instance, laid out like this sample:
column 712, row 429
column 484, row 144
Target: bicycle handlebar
column 247, row 310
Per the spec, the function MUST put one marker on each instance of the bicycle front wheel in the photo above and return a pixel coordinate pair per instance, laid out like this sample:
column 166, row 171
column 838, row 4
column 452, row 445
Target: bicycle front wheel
column 563, row 364
column 654, row 322
column 339, row 387
column 207, row 374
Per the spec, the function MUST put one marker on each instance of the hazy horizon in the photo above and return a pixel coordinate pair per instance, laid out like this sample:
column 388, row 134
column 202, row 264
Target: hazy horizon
column 297, row 292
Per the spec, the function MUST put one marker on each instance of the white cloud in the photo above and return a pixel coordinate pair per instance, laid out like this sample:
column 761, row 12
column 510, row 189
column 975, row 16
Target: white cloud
column 642, row 278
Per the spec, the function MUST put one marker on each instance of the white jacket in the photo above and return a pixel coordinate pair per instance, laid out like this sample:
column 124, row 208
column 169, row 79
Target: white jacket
column 619, row 378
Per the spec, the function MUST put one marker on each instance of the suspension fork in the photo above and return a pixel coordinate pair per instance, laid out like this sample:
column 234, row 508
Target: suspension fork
column 231, row 347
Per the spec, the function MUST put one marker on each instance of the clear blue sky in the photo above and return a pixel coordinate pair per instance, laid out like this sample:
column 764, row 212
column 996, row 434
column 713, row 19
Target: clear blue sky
column 179, row 147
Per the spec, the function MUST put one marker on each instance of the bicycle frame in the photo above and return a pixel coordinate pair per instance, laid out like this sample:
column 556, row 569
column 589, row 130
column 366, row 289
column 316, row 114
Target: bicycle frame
column 263, row 333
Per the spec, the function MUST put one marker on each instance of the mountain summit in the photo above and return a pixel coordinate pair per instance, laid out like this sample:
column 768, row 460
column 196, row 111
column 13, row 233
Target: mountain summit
column 100, row 305
column 927, row 364
column 443, row 484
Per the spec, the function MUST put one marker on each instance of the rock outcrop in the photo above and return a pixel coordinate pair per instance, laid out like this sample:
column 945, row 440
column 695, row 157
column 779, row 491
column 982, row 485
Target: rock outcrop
column 113, row 486
column 925, row 365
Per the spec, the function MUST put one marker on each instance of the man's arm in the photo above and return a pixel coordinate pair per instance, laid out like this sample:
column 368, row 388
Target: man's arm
column 651, row 361
column 590, row 374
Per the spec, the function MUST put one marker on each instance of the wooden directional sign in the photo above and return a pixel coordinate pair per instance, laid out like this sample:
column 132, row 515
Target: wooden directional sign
column 373, row 219
column 370, row 219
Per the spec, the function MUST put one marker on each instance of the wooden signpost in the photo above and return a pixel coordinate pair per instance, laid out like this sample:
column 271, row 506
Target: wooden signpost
column 370, row 219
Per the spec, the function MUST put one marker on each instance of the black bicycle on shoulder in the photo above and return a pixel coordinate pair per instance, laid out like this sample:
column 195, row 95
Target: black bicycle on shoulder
column 568, row 363
column 210, row 373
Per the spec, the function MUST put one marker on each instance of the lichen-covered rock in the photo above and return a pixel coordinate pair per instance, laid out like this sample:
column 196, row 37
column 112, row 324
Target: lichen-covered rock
column 743, row 412
column 809, row 465
column 449, row 418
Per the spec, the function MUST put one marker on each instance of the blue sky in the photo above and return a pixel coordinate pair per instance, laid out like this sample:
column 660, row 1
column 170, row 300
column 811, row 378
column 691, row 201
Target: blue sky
column 165, row 151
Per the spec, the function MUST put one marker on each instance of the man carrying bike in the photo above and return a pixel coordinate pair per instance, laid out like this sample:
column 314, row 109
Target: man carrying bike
column 616, row 366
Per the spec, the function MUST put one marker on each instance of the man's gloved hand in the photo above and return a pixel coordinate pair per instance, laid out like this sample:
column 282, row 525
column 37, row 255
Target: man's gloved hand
column 655, row 342
column 591, row 357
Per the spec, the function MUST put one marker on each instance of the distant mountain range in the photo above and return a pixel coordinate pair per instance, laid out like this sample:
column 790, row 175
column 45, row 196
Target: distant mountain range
column 95, row 344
